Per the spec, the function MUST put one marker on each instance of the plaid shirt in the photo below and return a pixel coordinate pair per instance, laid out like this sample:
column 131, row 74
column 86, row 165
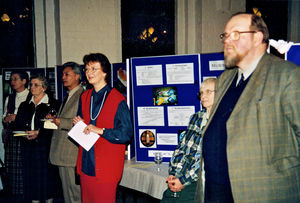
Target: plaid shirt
column 185, row 162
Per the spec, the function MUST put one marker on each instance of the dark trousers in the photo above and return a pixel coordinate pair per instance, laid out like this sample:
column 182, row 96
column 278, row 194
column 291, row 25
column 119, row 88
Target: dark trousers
column 217, row 193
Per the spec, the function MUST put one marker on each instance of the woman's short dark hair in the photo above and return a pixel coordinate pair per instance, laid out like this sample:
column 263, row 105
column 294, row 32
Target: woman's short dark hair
column 104, row 62
column 22, row 74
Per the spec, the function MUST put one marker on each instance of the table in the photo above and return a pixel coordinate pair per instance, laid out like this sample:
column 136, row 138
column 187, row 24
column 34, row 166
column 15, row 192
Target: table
column 145, row 177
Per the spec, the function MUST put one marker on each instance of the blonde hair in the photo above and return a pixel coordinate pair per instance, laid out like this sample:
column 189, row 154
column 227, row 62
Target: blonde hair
column 208, row 80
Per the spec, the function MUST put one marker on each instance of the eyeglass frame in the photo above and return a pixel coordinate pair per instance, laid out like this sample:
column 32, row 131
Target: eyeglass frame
column 223, row 36
column 207, row 92
column 34, row 85
column 91, row 70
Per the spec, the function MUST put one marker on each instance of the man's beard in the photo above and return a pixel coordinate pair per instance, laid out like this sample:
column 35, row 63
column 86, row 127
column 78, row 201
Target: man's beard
column 232, row 61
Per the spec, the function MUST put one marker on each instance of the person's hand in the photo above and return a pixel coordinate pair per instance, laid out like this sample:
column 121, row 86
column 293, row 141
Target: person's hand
column 56, row 121
column 9, row 118
column 49, row 116
column 92, row 128
column 174, row 183
column 32, row 134
column 77, row 119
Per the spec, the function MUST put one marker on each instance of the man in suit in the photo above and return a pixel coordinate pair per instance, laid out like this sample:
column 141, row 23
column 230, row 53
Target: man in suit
column 63, row 152
column 251, row 143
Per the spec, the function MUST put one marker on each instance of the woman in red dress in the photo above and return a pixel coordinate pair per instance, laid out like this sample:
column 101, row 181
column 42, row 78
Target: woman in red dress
column 105, row 112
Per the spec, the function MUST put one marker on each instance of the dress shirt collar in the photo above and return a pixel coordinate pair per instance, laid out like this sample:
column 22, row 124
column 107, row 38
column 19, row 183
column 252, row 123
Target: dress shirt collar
column 72, row 91
column 45, row 99
column 249, row 70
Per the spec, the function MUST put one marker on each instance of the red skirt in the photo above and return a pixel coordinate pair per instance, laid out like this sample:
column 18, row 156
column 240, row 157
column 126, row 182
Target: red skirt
column 93, row 191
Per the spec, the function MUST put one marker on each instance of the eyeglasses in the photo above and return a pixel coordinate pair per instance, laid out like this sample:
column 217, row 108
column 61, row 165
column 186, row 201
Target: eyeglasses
column 86, row 70
column 205, row 92
column 34, row 85
column 235, row 35
column 14, row 79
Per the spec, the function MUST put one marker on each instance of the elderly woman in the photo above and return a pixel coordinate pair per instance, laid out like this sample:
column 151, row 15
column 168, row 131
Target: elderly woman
column 106, row 113
column 40, row 179
column 185, row 163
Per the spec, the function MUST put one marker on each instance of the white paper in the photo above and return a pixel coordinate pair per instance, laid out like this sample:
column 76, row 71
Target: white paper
column 180, row 115
column 165, row 154
column 167, row 139
column 48, row 124
column 85, row 140
column 151, row 116
column 182, row 73
column 149, row 75
column 216, row 65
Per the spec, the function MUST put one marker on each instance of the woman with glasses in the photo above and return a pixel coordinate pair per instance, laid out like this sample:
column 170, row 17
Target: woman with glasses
column 185, row 165
column 14, row 184
column 40, row 178
column 106, row 113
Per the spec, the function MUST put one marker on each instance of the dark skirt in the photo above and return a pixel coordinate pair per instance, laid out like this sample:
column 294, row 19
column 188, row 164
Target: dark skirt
column 14, row 165
column 41, row 179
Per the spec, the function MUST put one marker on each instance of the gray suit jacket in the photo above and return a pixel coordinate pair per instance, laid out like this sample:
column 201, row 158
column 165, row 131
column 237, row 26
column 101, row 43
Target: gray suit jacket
column 63, row 151
column 263, row 143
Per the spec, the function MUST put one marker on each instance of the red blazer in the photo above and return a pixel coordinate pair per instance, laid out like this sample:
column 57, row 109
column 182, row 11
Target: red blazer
column 109, row 157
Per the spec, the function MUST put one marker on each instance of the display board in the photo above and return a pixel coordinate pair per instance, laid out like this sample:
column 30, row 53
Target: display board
column 120, row 81
column 294, row 54
column 164, row 94
column 164, row 97
column 119, row 77
column 212, row 65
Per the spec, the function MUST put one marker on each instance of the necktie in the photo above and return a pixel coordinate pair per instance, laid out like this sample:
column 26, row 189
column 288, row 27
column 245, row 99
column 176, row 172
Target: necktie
column 241, row 80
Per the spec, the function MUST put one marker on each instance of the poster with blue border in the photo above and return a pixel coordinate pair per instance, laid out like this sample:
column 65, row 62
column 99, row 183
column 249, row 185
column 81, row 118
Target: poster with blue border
column 120, row 81
column 293, row 54
column 164, row 97
column 212, row 65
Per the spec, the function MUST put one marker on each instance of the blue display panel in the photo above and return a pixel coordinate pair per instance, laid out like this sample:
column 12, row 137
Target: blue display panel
column 294, row 54
column 164, row 97
column 212, row 65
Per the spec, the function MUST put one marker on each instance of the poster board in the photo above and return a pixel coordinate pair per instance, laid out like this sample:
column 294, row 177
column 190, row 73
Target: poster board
column 293, row 54
column 164, row 94
column 212, row 65
column 120, row 81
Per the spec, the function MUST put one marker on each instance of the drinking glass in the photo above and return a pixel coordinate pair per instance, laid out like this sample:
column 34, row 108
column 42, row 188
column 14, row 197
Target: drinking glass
column 158, row 159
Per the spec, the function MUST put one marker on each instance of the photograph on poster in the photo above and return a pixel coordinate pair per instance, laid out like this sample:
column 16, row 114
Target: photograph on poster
column 151, row 116
column 182, row 73
column 147, row 138
column 180, row 115
column 149, row 75
column 164, row 96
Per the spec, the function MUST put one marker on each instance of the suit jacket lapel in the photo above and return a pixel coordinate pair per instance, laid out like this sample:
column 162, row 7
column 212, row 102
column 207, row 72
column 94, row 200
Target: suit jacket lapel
column 221, row 88
column 254, row 87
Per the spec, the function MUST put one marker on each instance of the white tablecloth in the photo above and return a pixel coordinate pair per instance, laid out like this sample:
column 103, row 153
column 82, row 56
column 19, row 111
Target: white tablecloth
column 145, row 177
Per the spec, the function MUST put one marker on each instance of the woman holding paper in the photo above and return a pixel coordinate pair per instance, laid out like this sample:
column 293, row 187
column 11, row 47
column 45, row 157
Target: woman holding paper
column 40, row 178
column 105, row 112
